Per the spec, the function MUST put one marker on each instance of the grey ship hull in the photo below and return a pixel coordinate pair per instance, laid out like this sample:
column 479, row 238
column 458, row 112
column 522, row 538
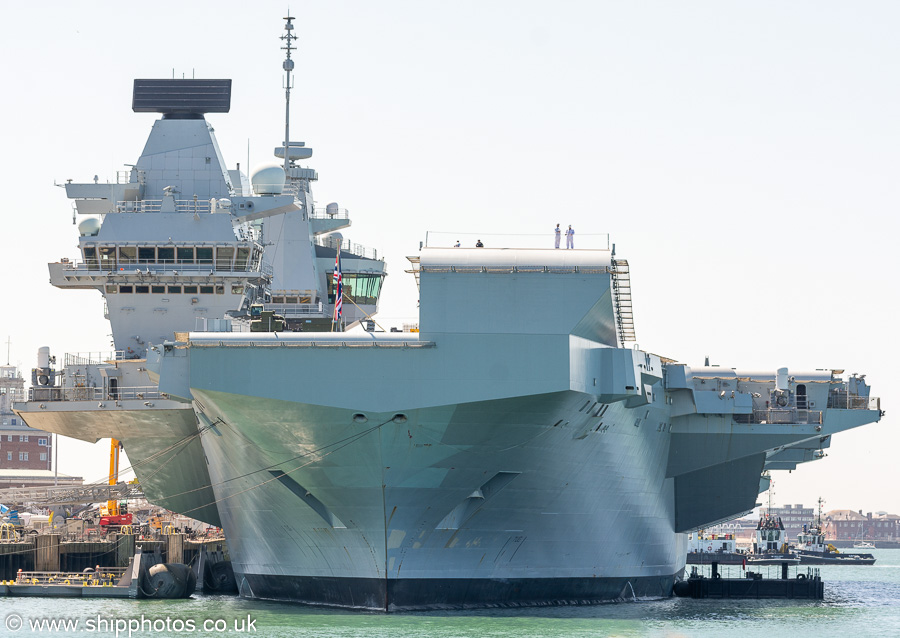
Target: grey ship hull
column 558, row 518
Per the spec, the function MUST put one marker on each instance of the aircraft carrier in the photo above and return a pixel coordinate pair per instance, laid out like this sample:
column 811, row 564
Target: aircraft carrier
column 511, row 448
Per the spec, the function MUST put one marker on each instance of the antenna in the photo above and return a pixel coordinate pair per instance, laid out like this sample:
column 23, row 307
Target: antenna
column 7, row 349
column 288, row 66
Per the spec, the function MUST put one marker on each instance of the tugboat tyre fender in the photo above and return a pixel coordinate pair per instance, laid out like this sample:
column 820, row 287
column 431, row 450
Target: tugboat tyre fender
column 801, row 576
column 717, row 575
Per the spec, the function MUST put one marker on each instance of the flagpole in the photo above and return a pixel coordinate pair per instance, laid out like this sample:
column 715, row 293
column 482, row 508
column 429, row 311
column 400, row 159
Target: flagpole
column 338, row 282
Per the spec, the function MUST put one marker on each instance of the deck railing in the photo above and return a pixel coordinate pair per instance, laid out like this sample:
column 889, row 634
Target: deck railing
column 93, row 358
column 843, row 400
column 589, row 241
column 106, row 577
column 155, row 206
column 782, row 416
column 169, row 267
column 347, row 246
column 51, row 394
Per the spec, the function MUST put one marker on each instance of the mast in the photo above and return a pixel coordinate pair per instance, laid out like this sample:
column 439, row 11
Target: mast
column 288, row 66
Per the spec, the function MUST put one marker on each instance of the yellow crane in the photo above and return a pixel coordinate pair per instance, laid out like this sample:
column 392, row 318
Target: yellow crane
column 114, row 514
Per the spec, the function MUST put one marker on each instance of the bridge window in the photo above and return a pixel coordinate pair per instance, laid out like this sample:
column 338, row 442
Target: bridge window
column 277, row 299
column 243, row 259
column 224, row 255
column 237, row 289
column 158, row 290
column 205, row 255
column 206, row 290
column 90, row 256
column 220, row 290
column 108, row 257
column 165, row 255
column 147, row 254
column 185, row 254
column 174, row 290
column 142, row 290
column 110, row 288
column 127, row 254
column 290, row 300
column 363, row 288
column 126, row 289
column 190, row 290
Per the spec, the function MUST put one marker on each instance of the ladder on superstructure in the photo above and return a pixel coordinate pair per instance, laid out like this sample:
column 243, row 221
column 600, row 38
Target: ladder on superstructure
column 621, row 283
column 414, row 271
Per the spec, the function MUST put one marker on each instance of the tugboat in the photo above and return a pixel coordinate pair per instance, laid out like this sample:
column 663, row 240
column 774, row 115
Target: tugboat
column 814, row 550
column 770, row 547
column 710, row 547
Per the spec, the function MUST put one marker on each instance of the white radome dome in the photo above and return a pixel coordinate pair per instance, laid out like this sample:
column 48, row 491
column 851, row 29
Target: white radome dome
column 89, row 227
column 268, row 180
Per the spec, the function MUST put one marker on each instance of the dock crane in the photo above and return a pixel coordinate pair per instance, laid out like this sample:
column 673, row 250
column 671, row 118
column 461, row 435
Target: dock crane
column 114, row 515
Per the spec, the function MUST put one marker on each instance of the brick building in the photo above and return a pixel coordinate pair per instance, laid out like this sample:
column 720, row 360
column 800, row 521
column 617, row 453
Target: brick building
column 21, row 447
column 856, row 526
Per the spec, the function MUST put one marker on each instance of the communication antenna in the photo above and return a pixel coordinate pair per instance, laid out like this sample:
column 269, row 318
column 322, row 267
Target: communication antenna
column 288, row 66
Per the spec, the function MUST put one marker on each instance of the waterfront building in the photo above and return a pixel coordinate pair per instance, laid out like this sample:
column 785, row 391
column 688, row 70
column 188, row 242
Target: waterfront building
column 21, row 447
column 847, row 525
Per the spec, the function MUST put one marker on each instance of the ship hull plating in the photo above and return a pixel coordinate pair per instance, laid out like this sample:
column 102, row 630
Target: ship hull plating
column 414, row 594
column 499, row 502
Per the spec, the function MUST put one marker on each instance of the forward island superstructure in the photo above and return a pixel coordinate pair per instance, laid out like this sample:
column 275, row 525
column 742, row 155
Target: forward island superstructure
column 511, row 451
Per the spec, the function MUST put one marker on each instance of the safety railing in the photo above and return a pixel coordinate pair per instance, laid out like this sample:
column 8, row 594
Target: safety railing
column 332, row 213
column 106, row 577
column 843, row 400
column 781, row 416
column 93, row 358
column 347, row 246
column 156, row 206
column 588, row 241
column 297, row 310
column 63, row 393
column 778, row 416
column 170, row 266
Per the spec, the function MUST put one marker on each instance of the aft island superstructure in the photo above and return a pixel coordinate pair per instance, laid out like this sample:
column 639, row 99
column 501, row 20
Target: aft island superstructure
column 514, row 450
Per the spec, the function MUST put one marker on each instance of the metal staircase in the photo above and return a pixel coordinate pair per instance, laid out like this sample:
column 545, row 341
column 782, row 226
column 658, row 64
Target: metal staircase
column 621, row 283
column 414, row 271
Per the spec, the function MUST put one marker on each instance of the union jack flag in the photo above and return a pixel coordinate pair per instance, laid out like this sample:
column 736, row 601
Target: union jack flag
column 338, row 288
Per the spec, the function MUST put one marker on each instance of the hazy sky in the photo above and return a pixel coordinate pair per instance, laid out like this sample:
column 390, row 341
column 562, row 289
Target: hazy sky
column 743, row 156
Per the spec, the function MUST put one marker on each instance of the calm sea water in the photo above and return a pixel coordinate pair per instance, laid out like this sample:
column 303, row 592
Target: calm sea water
column 859, row 602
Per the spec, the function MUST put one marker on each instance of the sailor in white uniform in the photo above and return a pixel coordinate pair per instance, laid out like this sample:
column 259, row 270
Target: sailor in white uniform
column 558, row 233
column 570, row 238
